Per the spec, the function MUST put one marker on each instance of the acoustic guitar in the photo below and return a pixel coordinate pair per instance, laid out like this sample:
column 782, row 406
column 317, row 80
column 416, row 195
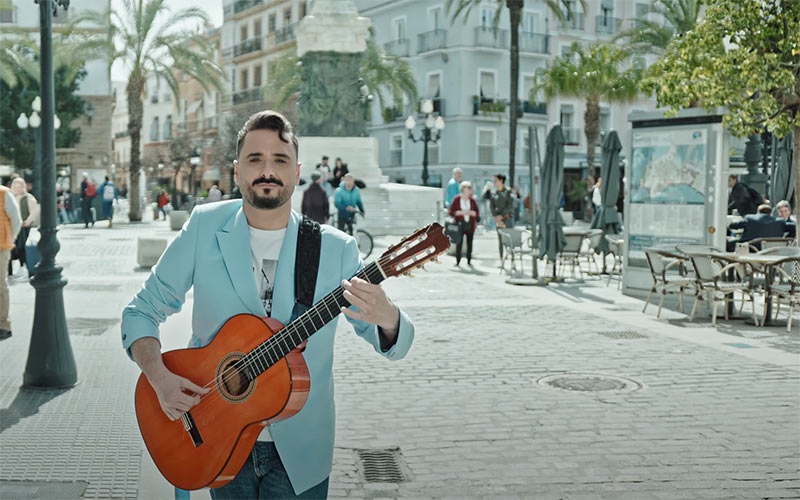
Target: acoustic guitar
column 258, row 376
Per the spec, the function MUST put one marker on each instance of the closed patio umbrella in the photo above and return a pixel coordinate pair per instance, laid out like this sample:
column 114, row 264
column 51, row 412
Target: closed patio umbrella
column 606, row 216
column 782, row 175
column 551, row 225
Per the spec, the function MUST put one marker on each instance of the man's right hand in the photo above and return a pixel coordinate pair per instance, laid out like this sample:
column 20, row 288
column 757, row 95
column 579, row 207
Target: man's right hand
column 176, row 394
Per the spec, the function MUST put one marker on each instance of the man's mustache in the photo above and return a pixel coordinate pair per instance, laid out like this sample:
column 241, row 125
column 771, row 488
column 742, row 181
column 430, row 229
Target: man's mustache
column 272, row 180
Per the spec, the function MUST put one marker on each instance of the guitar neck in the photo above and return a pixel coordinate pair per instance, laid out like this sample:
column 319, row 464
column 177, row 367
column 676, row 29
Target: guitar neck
column 298, row 331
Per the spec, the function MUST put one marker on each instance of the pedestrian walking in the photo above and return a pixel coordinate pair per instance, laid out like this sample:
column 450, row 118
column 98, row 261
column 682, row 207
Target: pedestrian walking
column 214, row 194
column 29, row 211
column 597, row 193
column 315, row 201
column 10, row 224
column 339, row 172
column 454, row 186
column 110, row 195
column 464, row 209
column 348, row 201
column 292, row 457
column 324, row 170
column 502, row 205
column 88, row 192
column 162, row 202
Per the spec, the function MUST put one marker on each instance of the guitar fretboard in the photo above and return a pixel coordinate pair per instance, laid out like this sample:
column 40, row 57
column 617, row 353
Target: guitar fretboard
column 298, row 331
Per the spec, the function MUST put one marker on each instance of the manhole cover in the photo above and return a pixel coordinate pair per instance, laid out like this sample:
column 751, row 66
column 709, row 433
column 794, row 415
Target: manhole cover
column 90, row 326
column 57, row 490
column 381, row 466
column 588, row 382
column 83, row 287
column 623, row 334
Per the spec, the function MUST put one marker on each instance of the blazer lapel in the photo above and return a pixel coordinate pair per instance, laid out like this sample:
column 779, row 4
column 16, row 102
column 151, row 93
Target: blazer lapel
column 234, row 245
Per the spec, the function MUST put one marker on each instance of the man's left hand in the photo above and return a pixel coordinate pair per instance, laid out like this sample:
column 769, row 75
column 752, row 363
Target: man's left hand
column 373, row 305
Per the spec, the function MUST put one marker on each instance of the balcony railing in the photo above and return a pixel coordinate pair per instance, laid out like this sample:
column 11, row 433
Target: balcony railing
column 247, row 46
column 608, row 25
column 488, row 105
column 240, row 6
column 534, row 42
column 574, row 21
column 571, row 136
column 397, row 47
column 539, row 108
column 248, row 95
column 282, row 35
column 491, row 37
column 438, row 105
column 431, row 40
column 396, row 158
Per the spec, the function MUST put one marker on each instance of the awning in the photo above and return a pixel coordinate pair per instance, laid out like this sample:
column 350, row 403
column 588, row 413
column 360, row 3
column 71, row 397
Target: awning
column 212, row 174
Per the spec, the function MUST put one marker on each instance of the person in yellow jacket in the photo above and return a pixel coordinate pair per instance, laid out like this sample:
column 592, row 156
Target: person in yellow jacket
column 10, row 223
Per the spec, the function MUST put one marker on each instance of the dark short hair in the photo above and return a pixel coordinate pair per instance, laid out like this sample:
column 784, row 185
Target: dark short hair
column 324, row 157
column 268, row 120
column 501, row 177
column 764, row 209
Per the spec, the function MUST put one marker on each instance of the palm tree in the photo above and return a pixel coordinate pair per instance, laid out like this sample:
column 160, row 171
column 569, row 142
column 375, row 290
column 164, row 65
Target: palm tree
column 152, row 41
column 593, row 74
column 462, row 8
column 652, row 37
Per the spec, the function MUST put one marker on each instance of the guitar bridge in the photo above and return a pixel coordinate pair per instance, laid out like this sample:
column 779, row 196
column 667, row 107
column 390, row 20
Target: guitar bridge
column 190, row 427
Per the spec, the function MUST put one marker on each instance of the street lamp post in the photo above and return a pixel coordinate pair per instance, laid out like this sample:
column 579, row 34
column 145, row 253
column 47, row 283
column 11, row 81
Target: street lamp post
column 431, row 132
column 34, row 121
column 50, row 363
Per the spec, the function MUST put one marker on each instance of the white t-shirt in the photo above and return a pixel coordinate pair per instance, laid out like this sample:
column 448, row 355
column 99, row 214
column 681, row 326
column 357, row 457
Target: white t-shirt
column 466, row 206
column 265, row 248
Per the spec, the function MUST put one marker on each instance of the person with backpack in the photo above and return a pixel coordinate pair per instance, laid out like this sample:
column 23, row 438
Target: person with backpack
column 88, row 192
column 742, row 197
column 110, row 193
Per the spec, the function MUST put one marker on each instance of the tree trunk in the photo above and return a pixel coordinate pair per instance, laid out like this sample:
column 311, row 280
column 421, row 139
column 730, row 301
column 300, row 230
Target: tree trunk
column 135, row 112
column 515, row 11
column 796, row 167
column 590, row 122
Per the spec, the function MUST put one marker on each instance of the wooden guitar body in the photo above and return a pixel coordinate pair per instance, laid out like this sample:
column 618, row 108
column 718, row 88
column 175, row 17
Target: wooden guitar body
column 209, row 445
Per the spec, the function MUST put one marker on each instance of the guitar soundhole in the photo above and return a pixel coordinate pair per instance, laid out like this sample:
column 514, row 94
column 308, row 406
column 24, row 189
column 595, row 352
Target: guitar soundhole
column 233, row 382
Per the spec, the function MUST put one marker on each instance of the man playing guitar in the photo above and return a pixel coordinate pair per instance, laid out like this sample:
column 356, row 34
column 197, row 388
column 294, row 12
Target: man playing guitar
column 239, row 256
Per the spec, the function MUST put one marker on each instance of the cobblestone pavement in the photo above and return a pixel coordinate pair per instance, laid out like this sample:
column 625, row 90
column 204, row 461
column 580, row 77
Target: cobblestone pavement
column 709, row 413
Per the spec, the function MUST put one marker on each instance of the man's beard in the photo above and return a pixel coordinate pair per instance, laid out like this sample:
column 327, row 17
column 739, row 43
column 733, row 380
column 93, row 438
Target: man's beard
column 267, row 202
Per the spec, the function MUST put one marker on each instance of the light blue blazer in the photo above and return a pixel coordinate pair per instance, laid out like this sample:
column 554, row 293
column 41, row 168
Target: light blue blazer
column 212, row 254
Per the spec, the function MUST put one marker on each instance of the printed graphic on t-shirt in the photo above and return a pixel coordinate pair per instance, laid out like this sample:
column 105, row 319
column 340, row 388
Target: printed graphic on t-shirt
column 267, row 283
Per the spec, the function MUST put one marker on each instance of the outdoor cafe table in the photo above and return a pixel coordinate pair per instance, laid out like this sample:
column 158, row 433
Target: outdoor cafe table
column 766, row 261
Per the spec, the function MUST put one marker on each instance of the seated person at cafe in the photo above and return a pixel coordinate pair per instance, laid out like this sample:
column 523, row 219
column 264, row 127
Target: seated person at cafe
column 785, row 213
column 760, row 225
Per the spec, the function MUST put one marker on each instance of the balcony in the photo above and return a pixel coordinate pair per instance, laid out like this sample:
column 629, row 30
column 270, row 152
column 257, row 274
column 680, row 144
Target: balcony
column 491, row 37
column 282, row 35
column 438, row 105
column 534, row 42
column 538, row 108
column 483, row 105
column 248, row 95
column 574, row 21
column 239, row 6
column 608, row 25
column 397, row 47
column 247, row 46
column 571, row 136
column 431, row 40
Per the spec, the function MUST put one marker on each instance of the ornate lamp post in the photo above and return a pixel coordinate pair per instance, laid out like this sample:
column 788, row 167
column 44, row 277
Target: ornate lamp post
column 431, row 132
column 34, row 121
column 51, row 363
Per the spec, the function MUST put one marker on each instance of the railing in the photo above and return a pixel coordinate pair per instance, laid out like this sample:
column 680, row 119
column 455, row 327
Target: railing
column 571, row 136
column 608, row 25
column 431, row 40
column 396, row 158
column 8, row 14
column 227, row 52
column 397, row 47
column 574, row 21
column 248, row 95
column 534, row 42
column 488, row 105
column 247, row 46
column 243, row 5
column 438, row 105
column 491, row 37
column 282, row 35
column 539, row 108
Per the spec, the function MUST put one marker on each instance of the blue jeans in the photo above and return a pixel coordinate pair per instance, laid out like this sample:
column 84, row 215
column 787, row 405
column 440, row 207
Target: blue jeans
column 263, row 477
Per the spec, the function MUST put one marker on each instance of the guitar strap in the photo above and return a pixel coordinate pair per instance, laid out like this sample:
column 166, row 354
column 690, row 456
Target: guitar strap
column 306, row 265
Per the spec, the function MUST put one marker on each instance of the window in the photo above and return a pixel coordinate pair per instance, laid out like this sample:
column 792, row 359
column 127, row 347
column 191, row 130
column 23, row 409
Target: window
column 486, row 146
column 154, row 129
column 530, row 22
column 528, row 82
column 257, row 28
column 434, row 85
column 8, row 13
column 243, row 33
column 303, row 11
column 487, row 17
column 244, row 79
column 271, row 23
column 257, row 76
column 433, row 153
column 396, row 150
column 167, row 133
column 642, row 9
column 435, row 18
column 566, row 118
column 287, row 16
column 167, row 97
column 565, row 49
column 399, row 28
column 524, row 147
column 233, row 82
column 486, row 85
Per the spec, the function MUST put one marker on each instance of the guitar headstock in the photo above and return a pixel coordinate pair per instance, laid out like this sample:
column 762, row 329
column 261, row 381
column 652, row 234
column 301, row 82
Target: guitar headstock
column 413, row 251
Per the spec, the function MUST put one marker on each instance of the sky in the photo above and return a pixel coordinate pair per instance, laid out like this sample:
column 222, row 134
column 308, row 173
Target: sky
column 212, row 7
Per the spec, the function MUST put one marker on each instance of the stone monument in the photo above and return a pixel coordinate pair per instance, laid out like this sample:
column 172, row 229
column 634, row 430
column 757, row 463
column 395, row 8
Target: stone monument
column 332, row 118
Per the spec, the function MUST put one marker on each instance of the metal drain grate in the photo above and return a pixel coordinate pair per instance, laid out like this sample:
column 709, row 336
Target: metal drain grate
column 56, row 490
column 120, row 239
column 381, row 466
column 588, row 382
column 83, row 287
column 90, row 326
column 622, row 334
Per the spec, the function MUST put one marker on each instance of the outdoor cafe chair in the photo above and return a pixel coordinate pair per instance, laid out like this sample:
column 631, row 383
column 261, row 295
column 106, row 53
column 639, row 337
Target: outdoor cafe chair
column 570, row 254
column 615, row 247
column 664, row 282
column 588, row 251
column 789, row 288
column 513, row 240
column 711, row 276
column 760, row 244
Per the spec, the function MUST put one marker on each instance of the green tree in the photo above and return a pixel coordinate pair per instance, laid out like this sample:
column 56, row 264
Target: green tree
column 462, row 8
column 744, row 57
column 594, row 74
column 652, row 37
column 152, row 41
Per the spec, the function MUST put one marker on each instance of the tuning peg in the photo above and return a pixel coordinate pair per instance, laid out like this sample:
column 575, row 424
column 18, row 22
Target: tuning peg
column 436, row 260
column 408, row 273
column 423, row 268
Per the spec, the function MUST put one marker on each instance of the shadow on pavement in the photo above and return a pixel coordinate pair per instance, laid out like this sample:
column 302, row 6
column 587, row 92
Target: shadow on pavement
column 25, row 404
column 576, row 292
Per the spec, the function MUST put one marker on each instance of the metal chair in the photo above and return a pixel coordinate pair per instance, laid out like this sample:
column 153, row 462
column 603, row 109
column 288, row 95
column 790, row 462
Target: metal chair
column 760, row 244
column 615, row 248
column 710, row 277
column 587, row 251
column 788, row 288
column 571, row 253
column 660, row 263
column 513, row 240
